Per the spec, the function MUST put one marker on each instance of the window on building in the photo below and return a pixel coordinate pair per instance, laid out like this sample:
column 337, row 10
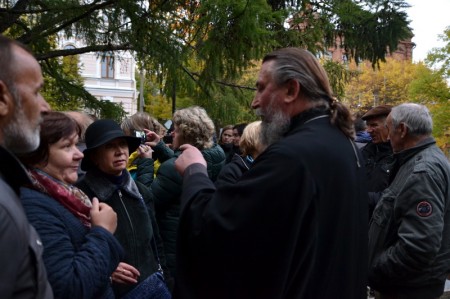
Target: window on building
column 71, row 61
column 107, row 65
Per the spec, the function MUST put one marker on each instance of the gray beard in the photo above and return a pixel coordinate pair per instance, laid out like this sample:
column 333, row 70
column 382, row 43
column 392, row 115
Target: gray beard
column 274, row 124
column 19, row 136
column 273, row 131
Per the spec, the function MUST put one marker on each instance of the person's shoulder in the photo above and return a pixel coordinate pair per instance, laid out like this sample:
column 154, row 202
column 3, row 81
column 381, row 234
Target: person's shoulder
column 9, row 201
column 6, row 190
column 12, row 171
column 214, row 150
column 431, row 158
column 27, row 194
column 214, row 154
column 237, row 163
column 296, row 142
column 34, row 200
column 169, row 164
column 12, row 214
column 142, row 188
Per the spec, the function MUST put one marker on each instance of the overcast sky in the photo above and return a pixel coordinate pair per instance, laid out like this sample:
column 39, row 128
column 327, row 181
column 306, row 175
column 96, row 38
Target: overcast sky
column 429, row 18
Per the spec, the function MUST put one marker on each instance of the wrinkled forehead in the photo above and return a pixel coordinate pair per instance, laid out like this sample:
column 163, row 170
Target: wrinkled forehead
column 265, row 73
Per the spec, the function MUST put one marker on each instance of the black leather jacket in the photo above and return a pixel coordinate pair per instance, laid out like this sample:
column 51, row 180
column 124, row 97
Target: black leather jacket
column 23, row 273
column 409, row 235
column 379, row 161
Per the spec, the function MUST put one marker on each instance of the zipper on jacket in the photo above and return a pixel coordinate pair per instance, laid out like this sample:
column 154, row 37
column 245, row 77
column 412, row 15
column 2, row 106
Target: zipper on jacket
column 126, row 211
column 129, row 220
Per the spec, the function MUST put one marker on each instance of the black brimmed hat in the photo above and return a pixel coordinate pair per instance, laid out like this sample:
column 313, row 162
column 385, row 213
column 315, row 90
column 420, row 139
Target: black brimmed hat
column 101, row 132
column 382, row 110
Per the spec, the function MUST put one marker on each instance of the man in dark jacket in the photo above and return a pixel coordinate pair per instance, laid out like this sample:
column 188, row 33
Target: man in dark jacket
column 409, row 236
column 377, row 153
column 22, row 272
column 295, row 224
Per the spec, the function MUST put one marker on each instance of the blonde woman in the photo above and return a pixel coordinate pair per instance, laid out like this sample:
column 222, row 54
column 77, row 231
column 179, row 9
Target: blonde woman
column 251, row 146
column 191, row 126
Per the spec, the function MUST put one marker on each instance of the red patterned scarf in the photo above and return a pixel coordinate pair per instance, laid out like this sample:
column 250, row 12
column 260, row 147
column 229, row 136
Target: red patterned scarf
column 69, row 196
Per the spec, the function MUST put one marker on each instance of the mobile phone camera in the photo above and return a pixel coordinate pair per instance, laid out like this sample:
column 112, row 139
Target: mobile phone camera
column 141, row 134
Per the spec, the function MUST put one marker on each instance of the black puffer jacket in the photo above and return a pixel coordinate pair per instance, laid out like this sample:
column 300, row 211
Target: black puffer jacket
column 166, row 191
column 136, row 221
column 141, row 169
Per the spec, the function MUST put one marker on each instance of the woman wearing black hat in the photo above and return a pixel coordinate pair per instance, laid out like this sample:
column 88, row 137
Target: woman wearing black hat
column 105, row 160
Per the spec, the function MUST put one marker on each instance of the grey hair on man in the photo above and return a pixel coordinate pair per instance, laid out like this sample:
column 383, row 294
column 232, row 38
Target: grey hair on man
column 416, row 117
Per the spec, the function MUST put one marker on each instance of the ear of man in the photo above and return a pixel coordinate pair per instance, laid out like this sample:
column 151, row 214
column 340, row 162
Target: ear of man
column 403, row 128
column 292, row 90
column 6, row 100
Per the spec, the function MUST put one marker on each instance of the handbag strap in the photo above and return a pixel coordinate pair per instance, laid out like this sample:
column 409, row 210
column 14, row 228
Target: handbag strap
column 155, row 249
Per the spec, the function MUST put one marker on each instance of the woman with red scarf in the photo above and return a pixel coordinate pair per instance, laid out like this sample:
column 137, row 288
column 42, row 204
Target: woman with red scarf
column 80, row 250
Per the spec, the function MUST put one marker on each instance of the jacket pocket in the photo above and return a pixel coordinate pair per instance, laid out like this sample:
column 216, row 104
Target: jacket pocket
column 384, row 211
column 380, row 224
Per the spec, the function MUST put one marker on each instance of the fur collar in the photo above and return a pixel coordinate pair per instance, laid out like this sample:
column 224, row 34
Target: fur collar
column 104, row 188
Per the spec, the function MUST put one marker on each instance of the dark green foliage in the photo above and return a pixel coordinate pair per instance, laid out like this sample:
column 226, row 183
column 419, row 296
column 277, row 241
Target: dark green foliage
column 197, row 46
column 440, row 57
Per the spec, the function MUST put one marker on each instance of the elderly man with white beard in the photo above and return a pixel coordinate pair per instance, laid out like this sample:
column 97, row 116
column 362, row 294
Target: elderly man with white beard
column 21, row 105
column 295, row 224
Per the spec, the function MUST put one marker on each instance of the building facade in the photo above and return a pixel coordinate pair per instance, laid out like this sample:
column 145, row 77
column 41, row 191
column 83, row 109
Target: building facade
column 108, row 76
column 403, row 52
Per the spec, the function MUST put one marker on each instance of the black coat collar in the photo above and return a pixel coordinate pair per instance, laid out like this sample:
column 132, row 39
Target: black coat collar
column 308, row 115
column 407, row 154
column 12, row 171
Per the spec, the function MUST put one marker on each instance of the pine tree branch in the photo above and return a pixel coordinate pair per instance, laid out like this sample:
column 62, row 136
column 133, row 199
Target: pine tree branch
column 9, row 16
column 194, row 77
column 76, row 51
column 43, row 30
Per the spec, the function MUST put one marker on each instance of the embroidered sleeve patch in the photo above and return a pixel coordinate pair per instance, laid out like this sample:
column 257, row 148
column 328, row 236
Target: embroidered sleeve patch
column 424, row 209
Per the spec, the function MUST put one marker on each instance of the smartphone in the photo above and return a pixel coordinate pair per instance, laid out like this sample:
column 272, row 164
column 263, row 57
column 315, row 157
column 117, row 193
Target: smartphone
column 141, row 134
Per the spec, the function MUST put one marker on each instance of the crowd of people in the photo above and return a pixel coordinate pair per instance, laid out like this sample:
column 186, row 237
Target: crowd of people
column 308, row 202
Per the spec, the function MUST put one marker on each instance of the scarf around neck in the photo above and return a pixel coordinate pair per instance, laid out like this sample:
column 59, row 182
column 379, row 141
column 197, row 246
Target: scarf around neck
column 69, row 196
